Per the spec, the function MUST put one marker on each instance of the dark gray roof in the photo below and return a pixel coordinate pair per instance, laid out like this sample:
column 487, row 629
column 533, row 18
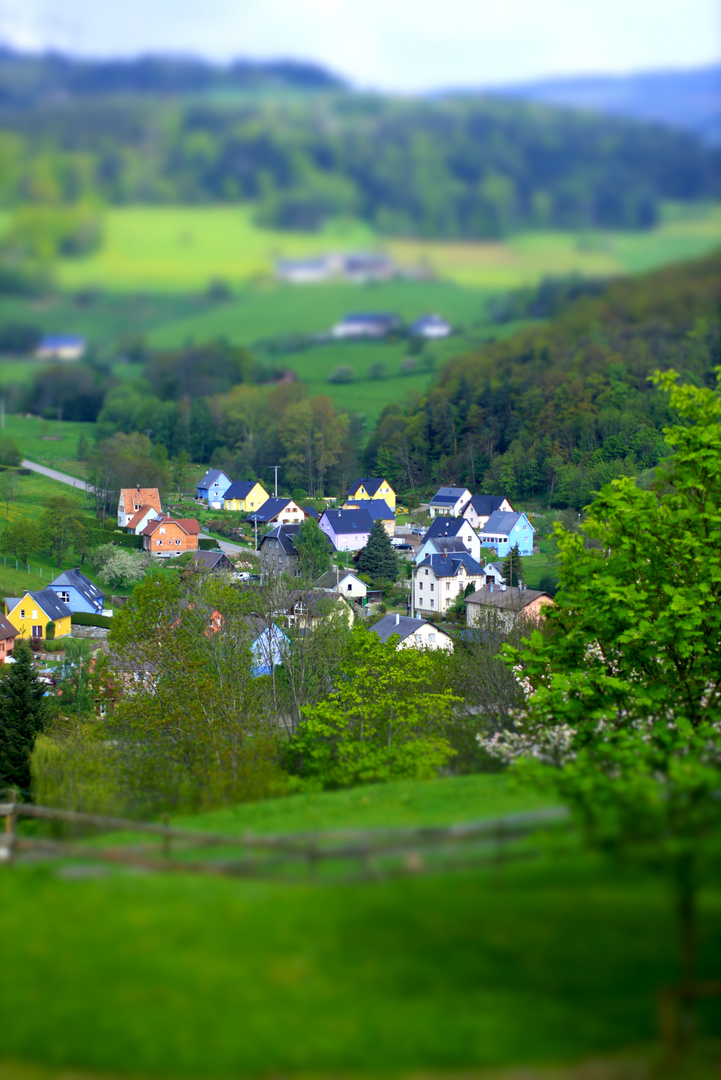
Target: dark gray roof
column 210, row 559
column 331, row 579
column 371, row 318
column 449, row 565
column 53, row 607
column 7, row 629
column 349, row 521
column 284, row 534
column 502, row 521
column 448, row 544
column 310, row 511
column 510, row 599
column 448, row 495
column 485, row 505
column 378, row 509
column 400, row 625
column 77, row 580
column 239, row 489
column 210, row 477
column 370, row 483
column 445, row 526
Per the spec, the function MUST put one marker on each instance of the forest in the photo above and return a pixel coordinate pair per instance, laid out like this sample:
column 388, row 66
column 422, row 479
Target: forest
column 81, row 136
column 556, row 411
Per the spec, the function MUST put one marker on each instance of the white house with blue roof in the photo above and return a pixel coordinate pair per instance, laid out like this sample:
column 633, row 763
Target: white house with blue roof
column 503, row 531
column 441, row 578
column 449, row 501
column 213, row 487
column 78, row 592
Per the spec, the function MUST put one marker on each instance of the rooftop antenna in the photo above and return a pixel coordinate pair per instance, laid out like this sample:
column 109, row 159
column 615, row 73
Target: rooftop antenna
column 275, row 470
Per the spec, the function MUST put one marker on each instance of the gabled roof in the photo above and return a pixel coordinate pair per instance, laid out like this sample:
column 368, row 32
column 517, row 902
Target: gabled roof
column 7, row 629
column 447, row 496
column 429, row 320
column 269, row 510
column 448, row 544
column 370, row 483
column 371, row 318
column 258, row 627
column 310, row 511
column 208, row 559
column 285, row 535
column 378, row 509
column 485, row 505
column 445, row 526
column 239, row 489
column 400, row 625
column 211, row 476
column 448, row 565
column 344, row 522
column 141, row 496
column 331, row 580
column 503, row 521
column 188, row 525
column 509, row 599
column 138, row 517
column 77, row 580
column 46, row 599
column 59, row 341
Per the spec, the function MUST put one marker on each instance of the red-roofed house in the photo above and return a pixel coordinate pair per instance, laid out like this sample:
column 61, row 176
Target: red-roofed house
column 134, row 499
column 166, row 536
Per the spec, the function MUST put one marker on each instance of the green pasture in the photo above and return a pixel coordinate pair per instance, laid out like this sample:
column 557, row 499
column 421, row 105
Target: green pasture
column 182, row 248
column 543, row 962
column 49, row 442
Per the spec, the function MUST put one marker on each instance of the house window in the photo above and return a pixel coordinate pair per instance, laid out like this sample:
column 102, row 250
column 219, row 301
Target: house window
column 37, row 631
column 432, row 586
column 420, row 584
column 162, row 532
column 431, row 638
column 35, row 613
column 431, row 603
column 22, row 613
column 426, row 573
column 177, row 543
column 65, row 597
column 159, row 542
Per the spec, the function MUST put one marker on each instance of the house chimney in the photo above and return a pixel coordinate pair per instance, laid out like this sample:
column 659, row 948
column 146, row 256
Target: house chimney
column 138, row 487
column 398, row 618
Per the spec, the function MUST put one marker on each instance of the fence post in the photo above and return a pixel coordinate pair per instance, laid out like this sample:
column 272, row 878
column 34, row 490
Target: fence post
column 10, row 821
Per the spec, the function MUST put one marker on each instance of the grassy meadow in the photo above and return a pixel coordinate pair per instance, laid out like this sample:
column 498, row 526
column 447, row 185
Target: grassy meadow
column 550, row 961
column 176, row 249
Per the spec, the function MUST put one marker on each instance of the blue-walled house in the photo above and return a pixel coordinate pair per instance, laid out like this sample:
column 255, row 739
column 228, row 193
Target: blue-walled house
column 504, row 530
column 78, row 592
column 213, row 486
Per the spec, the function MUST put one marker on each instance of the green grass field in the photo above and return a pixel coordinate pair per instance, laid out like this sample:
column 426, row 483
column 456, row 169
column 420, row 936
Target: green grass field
column 183, row 248
column 549, row 961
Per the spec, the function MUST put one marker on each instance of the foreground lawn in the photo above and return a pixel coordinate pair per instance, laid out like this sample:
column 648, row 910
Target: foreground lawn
column 550, row 961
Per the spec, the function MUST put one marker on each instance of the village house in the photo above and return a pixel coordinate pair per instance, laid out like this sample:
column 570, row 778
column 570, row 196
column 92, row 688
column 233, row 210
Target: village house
column 165, row 537
column 449, row 501
column 61, row 347
column 138, row 521
column 213, row 486
column 372, row 487
column 365, row 325
column 413, row 633
column 479, row 508
column 268, row 645
column 213, row 562
column 38, row 613
column 78, row 592
column 378, row 509
column 278, row 512
column 440, row 579
column 448, row 528
column 245, row 495
column 344, row 582
column 8, row 633
column 503, row 531
column 431, row 327
column 277, row 552
column 348, row 530
column 135, row 500
column 512, row 604
column 306, row 609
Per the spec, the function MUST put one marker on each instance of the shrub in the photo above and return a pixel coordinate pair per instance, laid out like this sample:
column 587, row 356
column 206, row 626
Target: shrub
column 86, row 618
column 342, row 374
column 50, row 631
column 409, row 365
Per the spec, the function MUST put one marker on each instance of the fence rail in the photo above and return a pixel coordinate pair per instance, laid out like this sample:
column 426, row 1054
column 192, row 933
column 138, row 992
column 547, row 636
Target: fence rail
column 343, row 854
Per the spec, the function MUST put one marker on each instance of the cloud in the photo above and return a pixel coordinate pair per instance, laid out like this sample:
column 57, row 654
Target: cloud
column 396, row 44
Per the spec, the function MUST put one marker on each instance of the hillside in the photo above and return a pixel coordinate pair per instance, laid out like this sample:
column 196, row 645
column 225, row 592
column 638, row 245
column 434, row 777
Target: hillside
column 552, row 413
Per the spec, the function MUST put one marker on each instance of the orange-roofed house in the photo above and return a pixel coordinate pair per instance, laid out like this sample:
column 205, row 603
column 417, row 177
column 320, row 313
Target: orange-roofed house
column 134, row 499
column 165, row 536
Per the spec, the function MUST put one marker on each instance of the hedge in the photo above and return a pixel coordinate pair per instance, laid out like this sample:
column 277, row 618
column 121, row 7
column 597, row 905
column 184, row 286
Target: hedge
column 126, row 540
column 85, row 618
column 207, row 544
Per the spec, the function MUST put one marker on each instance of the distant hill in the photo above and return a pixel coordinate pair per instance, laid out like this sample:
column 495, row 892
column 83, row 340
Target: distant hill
column 684, row 99
column 29, row 79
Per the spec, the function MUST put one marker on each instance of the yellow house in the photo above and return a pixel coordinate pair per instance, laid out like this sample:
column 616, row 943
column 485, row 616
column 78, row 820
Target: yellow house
column 372, row 487
column 31, row 613
column 245, row 495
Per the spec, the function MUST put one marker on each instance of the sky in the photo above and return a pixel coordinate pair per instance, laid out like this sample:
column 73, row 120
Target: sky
column 402, row 45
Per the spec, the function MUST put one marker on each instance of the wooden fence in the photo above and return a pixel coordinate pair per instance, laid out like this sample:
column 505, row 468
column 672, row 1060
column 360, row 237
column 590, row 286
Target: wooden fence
column 338, row 855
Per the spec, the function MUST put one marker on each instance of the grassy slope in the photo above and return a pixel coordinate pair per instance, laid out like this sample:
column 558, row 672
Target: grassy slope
column 181, row 248
column 550, row 961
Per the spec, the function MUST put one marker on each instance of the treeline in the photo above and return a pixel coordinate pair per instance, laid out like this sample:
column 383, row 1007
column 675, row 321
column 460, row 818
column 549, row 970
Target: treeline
column 455, row 168
column 558, row 410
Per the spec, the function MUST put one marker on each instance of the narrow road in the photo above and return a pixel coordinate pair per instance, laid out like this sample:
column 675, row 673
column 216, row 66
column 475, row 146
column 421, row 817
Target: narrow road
column 80, row 485
column 53, row 474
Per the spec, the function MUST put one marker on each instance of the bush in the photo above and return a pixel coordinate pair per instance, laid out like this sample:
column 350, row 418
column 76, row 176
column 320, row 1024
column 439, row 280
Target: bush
column 342, row 374
column 109, row 525
column 409, row 365
column 207, row 545
column 85, row 618
column 50, row 631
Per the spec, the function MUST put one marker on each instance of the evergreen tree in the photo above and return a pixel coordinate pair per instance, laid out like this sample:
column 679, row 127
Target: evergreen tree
column 378, row 558
column 512, row 567
column 22, row 716
column 312, row 547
